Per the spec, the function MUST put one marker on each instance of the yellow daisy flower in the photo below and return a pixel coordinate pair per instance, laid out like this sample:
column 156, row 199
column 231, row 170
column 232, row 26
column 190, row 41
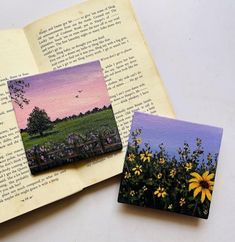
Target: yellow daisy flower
column 202, row 184
column 160, row 192
column 138, row 141
column 145, row 156
column 127, row 175
column 188, row 166
column 137, row 170
column 131, row 157
column 172, row 173
column 159, row 175
column 182, row 201
column 209, row 157
column 162, row 160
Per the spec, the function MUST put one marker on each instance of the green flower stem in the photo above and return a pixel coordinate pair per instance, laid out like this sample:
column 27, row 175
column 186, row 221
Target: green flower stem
column 195, row 207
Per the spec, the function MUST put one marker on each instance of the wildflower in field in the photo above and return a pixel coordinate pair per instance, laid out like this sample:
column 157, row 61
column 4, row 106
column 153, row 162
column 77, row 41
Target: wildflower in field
column 109, row 140
column 159, row 175
column 137, row 132
column 198, row 141
column 145, row 156
column 161, row 160
column 145, row 188
column 172, row 173
column 132, row 193
column 170, row 206
column 179, row 151
column 182, row 201
column 209, row 157
column 131, row 157
column 188, row 166
column 71, row 139
column 205, row 211
column 127, row 175
column 160, row 192
column 137, row 170
column 202, row 184
column 149, row 181
column 138, row 141
column 70, row 152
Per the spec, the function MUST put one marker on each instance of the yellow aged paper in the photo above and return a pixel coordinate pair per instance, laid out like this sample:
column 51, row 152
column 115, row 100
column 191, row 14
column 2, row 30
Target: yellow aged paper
column 19, row 191
column 104, row 30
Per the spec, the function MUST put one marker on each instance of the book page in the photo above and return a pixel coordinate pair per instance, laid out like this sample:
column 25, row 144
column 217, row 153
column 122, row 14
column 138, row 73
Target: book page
column 21, row 192
column 104, row 30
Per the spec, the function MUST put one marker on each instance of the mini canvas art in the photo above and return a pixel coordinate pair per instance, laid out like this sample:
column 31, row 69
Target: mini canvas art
column 64, row 116
column 170, row 165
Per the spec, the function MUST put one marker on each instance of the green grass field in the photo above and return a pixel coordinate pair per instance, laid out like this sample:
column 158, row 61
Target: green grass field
column 82, row 125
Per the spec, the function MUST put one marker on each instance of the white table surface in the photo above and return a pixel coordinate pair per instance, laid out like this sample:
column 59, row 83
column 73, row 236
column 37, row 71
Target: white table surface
column 193, row 43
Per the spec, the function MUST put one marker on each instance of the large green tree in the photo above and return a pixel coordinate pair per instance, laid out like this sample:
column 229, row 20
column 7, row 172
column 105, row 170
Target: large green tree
column 38, row 122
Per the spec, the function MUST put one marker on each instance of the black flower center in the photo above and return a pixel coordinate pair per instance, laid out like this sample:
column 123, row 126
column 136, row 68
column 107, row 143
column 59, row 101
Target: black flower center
column 204, row 184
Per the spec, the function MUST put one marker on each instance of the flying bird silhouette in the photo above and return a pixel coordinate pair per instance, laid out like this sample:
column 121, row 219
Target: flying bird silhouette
column 79, row 91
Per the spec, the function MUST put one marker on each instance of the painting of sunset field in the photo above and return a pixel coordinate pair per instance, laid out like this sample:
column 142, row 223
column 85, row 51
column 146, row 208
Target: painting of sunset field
column 64, row 116
column 170, row 165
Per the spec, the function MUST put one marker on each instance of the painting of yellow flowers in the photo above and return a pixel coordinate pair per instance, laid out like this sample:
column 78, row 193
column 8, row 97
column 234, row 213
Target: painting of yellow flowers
column 170, row 165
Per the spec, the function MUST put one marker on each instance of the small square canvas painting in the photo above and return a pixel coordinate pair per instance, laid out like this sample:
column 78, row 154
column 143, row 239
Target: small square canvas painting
column 170, row 165
column 64, row 116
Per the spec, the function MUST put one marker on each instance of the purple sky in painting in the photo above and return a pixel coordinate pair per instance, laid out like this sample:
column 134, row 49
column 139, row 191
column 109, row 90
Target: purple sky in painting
column 56, row 92
column 173, row 133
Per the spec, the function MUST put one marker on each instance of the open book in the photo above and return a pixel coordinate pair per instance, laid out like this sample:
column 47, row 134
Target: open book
column 104, row 30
